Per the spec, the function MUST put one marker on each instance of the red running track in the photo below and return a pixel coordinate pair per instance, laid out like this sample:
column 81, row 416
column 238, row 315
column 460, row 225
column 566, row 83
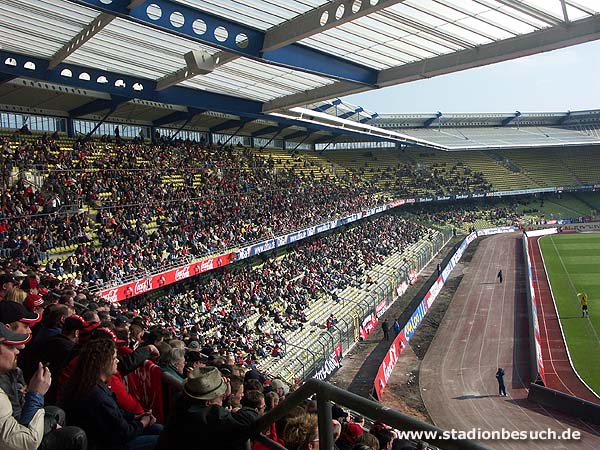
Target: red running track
column 486, row 327
column 559, row 373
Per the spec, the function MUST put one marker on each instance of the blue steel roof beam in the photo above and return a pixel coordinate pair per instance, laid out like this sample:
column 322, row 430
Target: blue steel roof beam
column 229, row 124
column 323, row 108
column 98, row 105
column 349, row 114
column 124, row 85
column 310, row 23
column 268, row 130
column 241, row 39
column 295, row 135
column 177, row 116
column 579, row 31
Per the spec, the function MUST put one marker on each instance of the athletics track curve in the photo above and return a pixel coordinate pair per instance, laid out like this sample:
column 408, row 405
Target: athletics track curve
column 486, row 327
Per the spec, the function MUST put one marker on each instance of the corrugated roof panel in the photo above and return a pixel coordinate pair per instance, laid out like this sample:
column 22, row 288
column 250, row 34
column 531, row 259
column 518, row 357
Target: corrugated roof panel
column 134, row 49
column 40, row 28
column 260, row 14
column 257, row 80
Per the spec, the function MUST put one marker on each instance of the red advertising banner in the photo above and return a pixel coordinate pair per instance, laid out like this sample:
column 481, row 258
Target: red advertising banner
column 368, row 325
column 381, row 308
column 388, row 364
column 144, row 285
column 413, row 276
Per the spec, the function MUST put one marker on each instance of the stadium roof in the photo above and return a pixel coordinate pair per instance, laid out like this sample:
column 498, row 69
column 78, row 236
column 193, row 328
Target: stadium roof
column 193, row 61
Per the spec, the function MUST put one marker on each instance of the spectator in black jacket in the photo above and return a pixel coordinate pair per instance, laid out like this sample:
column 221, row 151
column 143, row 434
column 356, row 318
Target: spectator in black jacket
column 92, row 405
column 57, row 349
column 198, row 416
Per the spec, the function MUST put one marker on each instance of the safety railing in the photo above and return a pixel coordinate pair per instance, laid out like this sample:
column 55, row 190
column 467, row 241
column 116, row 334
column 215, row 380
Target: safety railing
column 360, row 316
column 327, row 393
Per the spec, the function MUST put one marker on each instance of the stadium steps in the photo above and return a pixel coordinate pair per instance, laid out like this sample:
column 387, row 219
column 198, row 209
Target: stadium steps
column 546, row 167
column 348, row 308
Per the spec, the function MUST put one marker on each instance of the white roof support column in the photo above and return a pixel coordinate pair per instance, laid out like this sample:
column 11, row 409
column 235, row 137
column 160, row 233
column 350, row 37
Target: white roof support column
column 81, row 38
column 93, row 28
column 533, row 12
column 319, row 20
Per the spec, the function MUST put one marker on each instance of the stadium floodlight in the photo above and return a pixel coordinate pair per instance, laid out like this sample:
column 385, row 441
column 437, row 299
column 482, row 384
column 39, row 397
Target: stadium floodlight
column 198, row 62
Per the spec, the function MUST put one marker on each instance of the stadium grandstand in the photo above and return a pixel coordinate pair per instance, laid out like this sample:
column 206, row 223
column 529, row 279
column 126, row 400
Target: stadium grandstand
column 195, row 225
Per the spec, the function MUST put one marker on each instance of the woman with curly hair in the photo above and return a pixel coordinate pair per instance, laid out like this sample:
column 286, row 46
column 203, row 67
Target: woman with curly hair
column 91, row 404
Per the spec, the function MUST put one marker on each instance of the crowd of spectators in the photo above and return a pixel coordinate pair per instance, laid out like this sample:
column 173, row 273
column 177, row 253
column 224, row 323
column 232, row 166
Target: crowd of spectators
column 248, row 310
column 467, row 214
column 143, row 219
column 162, row 204
column 63, row 374
column 65, row 355
column 409, row 179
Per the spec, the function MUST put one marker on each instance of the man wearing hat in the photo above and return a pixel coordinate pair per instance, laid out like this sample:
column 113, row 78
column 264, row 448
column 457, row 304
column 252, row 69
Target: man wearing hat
column 7, row 282
column 17, row 317
column 12, row 433
column 32, row 429
column 34, row 303
column 199, row 416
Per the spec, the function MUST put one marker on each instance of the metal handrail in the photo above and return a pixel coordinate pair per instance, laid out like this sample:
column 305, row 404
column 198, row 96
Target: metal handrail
column 327, row 393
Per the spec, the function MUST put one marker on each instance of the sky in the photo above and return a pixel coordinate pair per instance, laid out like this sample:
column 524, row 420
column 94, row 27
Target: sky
column 556, row 81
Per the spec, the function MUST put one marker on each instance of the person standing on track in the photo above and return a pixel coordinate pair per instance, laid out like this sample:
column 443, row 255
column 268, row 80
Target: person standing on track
column 385, row 326
column 500, row 378
column 583, row 301
column 499, row 276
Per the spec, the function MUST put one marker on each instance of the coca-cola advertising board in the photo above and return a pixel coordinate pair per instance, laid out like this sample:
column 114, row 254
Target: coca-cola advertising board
column 388, row 364
column 368, row 325
column 148, row 284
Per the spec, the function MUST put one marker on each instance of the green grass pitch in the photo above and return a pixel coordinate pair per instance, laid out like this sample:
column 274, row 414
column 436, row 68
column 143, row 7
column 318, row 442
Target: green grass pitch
column 573, row 265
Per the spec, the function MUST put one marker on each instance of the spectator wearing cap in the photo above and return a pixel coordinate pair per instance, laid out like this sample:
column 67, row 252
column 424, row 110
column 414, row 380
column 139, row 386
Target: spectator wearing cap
column 17, row 317
column 199, row 416
column 122, row 321
column 33, row 427
column 92, row 405
column 280, row 388
column 7, row 282
column 192, row 361
column 34, row 303
column 13, row 434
